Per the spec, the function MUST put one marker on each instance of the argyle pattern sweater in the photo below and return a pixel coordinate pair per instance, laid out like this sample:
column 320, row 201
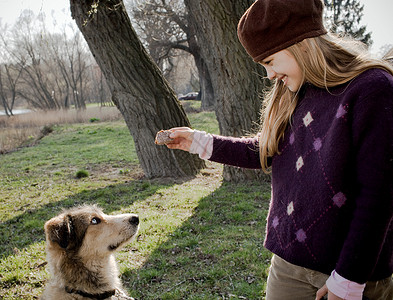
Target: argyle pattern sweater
column 332, row 183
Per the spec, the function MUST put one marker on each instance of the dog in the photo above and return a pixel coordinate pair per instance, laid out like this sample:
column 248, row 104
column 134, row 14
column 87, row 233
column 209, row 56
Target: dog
column 80, row 243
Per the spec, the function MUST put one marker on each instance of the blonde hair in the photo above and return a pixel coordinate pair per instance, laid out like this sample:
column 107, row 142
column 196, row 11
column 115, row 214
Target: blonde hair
column 326, row 61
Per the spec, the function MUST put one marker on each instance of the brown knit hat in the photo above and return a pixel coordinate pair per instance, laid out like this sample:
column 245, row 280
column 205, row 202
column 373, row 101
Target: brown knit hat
column 269, row 26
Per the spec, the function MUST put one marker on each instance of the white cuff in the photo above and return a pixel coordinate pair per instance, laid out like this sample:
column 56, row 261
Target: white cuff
column 202, row 144
column 343, row 288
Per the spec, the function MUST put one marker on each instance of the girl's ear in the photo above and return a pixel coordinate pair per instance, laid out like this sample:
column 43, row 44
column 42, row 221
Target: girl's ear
column 59, row 230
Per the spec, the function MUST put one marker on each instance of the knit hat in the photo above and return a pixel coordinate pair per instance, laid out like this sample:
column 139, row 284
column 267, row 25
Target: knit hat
column 269, row 26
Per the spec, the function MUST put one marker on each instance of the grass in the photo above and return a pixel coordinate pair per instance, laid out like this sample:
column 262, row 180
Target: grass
column 24, row 129
column 199, row 238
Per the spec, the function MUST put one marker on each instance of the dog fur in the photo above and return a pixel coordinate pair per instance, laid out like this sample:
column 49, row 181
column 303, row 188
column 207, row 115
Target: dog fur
column 80, row 243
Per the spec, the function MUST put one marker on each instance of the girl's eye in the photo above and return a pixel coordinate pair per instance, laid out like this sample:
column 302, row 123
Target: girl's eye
column 266, row 64
column 95, row 221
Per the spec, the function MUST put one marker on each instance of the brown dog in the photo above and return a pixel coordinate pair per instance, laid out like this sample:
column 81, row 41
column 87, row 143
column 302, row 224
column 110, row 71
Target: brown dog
column 80, row 244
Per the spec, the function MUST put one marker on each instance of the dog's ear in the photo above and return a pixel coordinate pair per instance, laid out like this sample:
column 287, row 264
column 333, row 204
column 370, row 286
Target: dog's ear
column 59, row 230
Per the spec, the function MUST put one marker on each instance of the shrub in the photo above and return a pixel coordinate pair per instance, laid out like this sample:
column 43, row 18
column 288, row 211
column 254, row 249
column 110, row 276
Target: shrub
column 82, row 174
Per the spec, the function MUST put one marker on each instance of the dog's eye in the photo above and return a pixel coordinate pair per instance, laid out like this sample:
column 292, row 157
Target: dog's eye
column 95, row 221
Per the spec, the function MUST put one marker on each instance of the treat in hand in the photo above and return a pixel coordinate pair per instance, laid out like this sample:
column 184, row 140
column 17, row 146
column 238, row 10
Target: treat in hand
column 162, row 137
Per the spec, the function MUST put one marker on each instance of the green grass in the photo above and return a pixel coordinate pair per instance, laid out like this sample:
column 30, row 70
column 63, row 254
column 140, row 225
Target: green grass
column 198, row 239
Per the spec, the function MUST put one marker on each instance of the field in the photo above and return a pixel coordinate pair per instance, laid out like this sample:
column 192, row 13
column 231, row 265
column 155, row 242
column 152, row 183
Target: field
column 24, row 129
column 199, row 238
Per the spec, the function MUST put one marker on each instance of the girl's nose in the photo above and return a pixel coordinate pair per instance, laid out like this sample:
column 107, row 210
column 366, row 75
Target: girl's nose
column 270, row 73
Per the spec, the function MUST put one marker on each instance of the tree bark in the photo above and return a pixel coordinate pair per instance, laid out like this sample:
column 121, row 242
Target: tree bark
column 206, row 86
column 138, row 88
column 237, row 80
column 205, row 82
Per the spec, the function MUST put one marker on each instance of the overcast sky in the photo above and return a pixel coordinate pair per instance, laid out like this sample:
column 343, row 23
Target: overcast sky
column 378, row 15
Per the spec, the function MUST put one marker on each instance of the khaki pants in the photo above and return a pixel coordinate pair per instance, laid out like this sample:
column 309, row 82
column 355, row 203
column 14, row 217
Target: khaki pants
column 290, row 282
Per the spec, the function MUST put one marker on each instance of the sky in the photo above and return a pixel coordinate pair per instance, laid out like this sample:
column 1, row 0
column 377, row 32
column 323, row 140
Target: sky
column 378, row 15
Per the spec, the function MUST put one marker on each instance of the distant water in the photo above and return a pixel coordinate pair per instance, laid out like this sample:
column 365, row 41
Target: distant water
column 16, row 112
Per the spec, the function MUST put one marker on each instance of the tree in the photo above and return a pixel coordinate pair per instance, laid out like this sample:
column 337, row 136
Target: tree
column 98, row 88
column 138, row 88
column 28, row 50
column 343, row 16
column 9, row 78
column 28, row 45
column 165, row 27
column 237, row 80
column 47, row 70
column 72, row 60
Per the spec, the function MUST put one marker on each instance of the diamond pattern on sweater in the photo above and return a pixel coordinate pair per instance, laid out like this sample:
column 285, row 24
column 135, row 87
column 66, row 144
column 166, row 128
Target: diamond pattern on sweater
column 299, row 163
column 276, row 221
column 317, row 144
column 339, row 199
column 308, row 119
column 290, row 208
column 301, row 235
column 300, row 227
column 292, row 138
column 341, row 111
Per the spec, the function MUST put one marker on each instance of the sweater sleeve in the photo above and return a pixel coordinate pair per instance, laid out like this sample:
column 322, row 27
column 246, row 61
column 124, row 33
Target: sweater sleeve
column 371, row 225
column 239, row 152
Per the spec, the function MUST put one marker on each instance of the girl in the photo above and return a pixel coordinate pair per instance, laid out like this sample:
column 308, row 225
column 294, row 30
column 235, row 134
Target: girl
column 327, row 138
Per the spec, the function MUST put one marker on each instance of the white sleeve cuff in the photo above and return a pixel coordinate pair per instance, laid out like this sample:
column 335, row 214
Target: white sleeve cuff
column 202, row 144
column 344, row 288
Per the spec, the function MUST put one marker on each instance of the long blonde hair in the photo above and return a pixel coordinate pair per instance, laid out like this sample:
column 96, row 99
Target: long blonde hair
column 326, row 61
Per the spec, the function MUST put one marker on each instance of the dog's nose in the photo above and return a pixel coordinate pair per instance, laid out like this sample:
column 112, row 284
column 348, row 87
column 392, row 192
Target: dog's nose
column 134, row 220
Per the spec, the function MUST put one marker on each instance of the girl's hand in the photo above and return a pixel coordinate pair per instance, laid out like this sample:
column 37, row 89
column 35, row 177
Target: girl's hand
column 182, row 138
column 324, row 291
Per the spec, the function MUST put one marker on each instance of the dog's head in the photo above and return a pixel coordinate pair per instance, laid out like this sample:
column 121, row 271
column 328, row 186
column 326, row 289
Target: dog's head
column 87, row 230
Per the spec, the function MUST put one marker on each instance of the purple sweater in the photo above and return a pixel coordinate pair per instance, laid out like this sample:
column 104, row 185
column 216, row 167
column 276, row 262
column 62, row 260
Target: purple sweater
column 332, row 183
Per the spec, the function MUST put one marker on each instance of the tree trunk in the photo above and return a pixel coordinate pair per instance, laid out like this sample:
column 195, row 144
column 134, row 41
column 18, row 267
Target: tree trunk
column 206, row 87
column 237, row 80
column 138, row 88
